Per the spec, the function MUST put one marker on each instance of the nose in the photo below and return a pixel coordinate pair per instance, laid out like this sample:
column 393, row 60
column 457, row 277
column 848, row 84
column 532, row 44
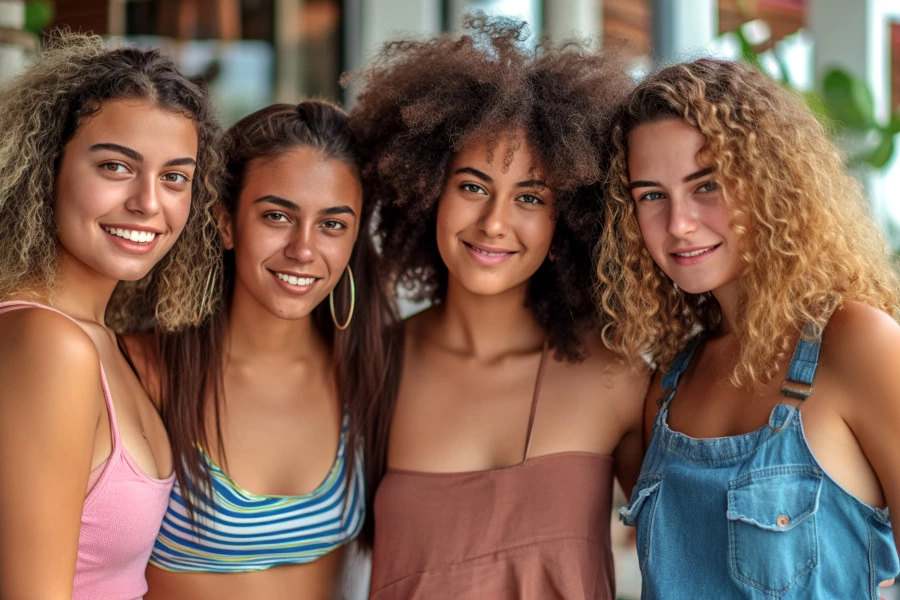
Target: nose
column 682, row 217
column 144, row 199
column 493, row 222
column 300, row 245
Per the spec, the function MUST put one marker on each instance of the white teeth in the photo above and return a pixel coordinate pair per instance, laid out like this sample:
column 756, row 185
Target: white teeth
column 693, row 253
column 294, row 280
column 141, row 237
column 480, row 251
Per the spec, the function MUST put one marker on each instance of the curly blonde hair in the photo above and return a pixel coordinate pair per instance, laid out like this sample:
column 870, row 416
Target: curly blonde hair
column 42, row 109
column 807, row 241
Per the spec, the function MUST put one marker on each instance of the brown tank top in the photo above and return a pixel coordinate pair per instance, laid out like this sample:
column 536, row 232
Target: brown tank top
column 535, row 530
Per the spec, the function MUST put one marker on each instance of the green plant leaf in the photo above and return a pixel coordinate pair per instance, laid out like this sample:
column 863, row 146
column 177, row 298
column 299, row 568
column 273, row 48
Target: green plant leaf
column 816, row 105
column 748, row 55
column 848, row 100
column 38, row 15
column 894, row 126
column 882, row 154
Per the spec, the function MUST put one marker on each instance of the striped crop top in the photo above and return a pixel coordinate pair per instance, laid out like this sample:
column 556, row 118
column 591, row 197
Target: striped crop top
column 241, row 531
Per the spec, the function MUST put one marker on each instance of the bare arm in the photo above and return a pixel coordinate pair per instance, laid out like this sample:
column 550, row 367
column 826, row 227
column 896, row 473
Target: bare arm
column 867, row 356
column 49, row 411
column 629, row 454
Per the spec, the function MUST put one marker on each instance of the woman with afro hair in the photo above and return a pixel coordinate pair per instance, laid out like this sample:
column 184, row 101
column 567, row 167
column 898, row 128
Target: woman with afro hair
column 738, row 253
column 512, row 418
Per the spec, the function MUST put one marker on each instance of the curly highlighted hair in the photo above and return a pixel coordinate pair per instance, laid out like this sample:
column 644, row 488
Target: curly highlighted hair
column 42, row 109
column 807, row 242
column 422, row 101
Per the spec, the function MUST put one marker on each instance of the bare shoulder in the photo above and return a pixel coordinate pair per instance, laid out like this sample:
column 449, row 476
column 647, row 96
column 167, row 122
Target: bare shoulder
column 858, row 340
column 45, row 337
column 143, row 352
column 604, row 368
column 416, row 327
column 49, row 359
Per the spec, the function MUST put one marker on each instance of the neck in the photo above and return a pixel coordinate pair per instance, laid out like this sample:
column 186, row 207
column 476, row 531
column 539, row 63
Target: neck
column 253, row 333
column 81, row 293
column 488, row 326
column 727, row 296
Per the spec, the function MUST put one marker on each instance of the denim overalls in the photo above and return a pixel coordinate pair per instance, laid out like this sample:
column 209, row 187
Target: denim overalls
column 753, row 515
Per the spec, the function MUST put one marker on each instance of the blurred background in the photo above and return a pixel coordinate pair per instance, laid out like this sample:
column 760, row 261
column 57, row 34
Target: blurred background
column 843, row 55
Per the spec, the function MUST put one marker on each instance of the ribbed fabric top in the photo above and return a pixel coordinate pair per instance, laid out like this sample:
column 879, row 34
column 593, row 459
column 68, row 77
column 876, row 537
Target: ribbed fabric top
column 538, row 530
column 242, row 531
column 120, row 516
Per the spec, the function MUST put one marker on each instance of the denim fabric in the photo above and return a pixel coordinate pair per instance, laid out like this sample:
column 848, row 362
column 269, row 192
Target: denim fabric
column 753, row 515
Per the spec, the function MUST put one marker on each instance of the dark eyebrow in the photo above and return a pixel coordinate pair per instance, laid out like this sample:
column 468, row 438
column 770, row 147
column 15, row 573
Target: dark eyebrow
column 181, row 162
column 529, row 183
column 476, row 173
column 691, row 177
column 339, row 210
column 699, row 174
column 639, row 183
column 133, row 155
column 278, row 201
column 532, row 183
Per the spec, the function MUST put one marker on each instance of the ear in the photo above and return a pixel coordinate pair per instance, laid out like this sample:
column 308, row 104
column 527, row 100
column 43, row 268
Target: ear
column 226, row 226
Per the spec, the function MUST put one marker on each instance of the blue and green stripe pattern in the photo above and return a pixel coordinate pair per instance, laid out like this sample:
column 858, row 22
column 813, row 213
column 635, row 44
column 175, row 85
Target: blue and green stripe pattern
column 241, row 531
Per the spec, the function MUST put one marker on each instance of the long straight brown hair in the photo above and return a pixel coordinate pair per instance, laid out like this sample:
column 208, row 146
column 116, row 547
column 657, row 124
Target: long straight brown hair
column 366, row 355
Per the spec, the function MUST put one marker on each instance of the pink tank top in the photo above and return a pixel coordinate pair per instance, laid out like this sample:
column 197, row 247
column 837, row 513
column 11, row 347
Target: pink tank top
column 121, row 516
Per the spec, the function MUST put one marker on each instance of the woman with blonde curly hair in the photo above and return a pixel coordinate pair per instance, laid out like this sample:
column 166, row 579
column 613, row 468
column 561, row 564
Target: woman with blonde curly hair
column 108, row 173
column 497, row 461
column 738, row 254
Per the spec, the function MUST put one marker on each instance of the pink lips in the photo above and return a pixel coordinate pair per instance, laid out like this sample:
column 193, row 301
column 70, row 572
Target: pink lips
column 487, row 255
column 138, row 248
column 297, row 290
column 707, row 251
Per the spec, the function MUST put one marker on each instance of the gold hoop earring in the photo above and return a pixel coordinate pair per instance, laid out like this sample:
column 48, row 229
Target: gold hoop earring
column 352, row 302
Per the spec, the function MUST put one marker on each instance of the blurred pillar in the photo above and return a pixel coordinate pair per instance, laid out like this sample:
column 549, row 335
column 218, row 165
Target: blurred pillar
column 290, row 67
column 12, row 49
column 368, row 24
column 567, row 19
column 855, row 36
column 682, row 28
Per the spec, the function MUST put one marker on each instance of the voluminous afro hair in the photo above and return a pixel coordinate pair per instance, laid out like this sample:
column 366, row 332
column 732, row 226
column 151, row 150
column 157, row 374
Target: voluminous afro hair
column 422, row 101
column 42, row 109
column 807, row 242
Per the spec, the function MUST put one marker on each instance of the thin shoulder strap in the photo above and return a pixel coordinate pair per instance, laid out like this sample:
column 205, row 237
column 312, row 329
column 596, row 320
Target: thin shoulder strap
column 802, row 371
column 534, row 401
column 107, row 397
column 679, row 366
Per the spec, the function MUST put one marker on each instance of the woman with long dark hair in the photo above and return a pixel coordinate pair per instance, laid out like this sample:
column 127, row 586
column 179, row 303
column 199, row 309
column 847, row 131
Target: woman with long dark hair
column 264, row 404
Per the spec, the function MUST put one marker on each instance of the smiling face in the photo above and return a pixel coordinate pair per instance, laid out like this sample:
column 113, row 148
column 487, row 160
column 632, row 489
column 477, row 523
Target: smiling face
column 680, row 207
column 494, row 225
column 123, row 190
column 297, row 220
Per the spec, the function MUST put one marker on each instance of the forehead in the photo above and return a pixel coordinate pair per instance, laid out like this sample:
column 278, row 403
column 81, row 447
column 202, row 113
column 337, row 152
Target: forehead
column 667, row 145
column 506, row 152
column 304, row 176
column 141, row 125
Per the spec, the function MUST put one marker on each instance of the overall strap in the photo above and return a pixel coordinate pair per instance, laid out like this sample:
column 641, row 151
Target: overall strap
column 679, row 366
column 534, row 401
column 799, row 381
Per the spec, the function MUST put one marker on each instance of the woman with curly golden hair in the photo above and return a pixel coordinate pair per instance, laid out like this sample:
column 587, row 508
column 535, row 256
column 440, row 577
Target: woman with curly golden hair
column 108, row 172
column 738, row 253
column 498, row 457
